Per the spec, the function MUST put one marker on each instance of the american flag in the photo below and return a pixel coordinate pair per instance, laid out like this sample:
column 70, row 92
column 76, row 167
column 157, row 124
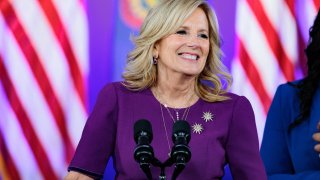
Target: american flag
column 270, row 38
column 43, row 72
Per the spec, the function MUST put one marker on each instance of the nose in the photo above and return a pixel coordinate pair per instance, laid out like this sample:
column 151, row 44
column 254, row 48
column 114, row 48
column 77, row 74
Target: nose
column 193, row 41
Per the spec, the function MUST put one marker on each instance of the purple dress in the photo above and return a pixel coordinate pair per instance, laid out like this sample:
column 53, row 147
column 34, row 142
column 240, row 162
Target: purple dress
column 229, row 136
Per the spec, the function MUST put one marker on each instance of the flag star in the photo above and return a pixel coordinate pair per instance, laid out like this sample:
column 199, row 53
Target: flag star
column 207, row 116
column 197, row 128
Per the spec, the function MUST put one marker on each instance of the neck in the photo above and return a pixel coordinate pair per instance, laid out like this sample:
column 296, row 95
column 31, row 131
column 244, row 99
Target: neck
column 175, row 93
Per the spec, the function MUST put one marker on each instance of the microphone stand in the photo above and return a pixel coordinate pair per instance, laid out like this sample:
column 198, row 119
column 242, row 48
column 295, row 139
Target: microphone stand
column 146, row 169
column 155, row 162
column 177, row 157
column 181, row 155
column 167, row 163
column 180, row 165
column 144, row 155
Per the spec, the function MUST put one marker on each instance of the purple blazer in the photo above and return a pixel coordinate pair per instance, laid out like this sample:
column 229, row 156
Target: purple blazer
column 229, row 136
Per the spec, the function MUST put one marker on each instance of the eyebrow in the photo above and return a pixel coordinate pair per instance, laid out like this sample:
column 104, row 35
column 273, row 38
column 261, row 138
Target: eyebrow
column 201, row 30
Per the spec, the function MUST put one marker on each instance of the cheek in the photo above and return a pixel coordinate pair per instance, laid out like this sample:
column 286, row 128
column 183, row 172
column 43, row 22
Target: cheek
column 206, row 48
column 205, row 52
column 168, row 49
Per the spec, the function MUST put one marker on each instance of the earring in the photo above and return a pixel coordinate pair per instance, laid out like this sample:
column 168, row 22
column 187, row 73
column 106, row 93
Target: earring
column 155, row 60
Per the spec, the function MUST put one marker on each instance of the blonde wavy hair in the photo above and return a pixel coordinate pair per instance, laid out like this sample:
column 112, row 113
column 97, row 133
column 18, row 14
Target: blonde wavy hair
column 161, row 21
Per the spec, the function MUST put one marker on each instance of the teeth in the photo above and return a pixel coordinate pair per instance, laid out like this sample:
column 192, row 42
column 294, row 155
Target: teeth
column 189, row 56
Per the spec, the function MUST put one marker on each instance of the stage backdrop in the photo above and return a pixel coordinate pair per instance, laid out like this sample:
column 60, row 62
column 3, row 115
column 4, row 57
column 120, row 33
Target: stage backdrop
column 55, row 56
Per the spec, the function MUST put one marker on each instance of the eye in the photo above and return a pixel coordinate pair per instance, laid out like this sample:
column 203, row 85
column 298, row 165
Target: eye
column 204, row 36
column 181, row 32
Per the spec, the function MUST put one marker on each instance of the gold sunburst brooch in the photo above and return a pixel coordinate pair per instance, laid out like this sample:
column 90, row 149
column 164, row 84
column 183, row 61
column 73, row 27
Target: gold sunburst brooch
column 207, row 116
column 197, row 128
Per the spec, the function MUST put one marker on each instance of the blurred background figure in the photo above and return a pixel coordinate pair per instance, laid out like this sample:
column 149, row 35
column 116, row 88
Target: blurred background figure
column 288, row 148
column 56, row 55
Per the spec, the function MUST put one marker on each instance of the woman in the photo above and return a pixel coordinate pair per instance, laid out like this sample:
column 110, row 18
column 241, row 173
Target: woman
column 288, row 150
column 172, row 74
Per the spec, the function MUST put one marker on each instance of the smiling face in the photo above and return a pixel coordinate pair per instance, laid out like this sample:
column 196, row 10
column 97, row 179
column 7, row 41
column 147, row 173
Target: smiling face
column 185, row 52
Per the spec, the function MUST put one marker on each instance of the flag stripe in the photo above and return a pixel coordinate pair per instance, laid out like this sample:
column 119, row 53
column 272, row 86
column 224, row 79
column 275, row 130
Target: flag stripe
column 248, row 30
column 39, row 73
column 73, row 16
column 9, row 168
column 54, row 63
column 30, row 135
column 16, row 142
column 254, row 77
column 61, row 35
column 316, row 3
column 273, row 39
column 34, row 103
column 285, row 27
column 44, row 47
column 301, row 68
column 291, row 6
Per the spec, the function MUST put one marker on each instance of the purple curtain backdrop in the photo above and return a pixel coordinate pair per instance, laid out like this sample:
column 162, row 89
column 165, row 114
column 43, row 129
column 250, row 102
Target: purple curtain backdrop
column 107, row 62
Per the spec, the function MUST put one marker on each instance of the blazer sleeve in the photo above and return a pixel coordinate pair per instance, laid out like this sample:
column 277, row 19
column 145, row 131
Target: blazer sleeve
column 98, row 137
column 242, row 145
column 274, row 147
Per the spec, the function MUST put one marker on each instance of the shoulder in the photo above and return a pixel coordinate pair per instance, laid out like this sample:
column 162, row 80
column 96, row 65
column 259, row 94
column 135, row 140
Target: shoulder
column 288, row 91
column 285, row 103
column 114, row 86
column 234, row 102
column 118, row 88
column 290, row 87
column 240, row 103
column 236, row 99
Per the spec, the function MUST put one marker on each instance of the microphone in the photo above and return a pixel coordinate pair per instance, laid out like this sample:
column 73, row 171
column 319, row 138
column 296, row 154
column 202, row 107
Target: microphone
column 180, row 153
column 143, row 153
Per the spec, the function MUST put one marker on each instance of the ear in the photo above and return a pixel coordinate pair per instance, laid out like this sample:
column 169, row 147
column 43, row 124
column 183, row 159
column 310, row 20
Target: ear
column 155, row 52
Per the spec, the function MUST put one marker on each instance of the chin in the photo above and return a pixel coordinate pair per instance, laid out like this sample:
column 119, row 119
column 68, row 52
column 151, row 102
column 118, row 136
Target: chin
column 192, row 74
column 191, row 70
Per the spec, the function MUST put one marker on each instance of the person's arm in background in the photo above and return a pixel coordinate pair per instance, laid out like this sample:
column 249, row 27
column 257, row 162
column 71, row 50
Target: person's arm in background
column 274, row 149
column 242, row 148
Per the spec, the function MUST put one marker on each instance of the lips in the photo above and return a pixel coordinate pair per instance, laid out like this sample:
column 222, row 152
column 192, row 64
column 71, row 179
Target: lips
column 189, row 56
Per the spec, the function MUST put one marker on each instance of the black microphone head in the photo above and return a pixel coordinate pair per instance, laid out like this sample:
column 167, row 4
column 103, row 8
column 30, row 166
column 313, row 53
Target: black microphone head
column 181, row 126
column 142, row 125
column 180, row 152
